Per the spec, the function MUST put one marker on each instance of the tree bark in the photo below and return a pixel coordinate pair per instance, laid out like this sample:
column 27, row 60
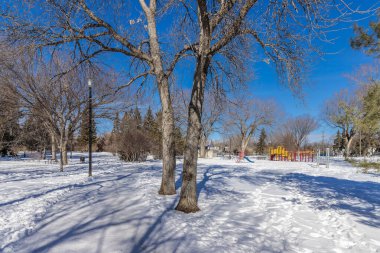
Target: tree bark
column 245, row 140
column 64, row 152
column 61, row 162
column 168, row 141
column 188, row 199
column 244, row 144
column 203, row 146
column 348, row 146
column 53, row 148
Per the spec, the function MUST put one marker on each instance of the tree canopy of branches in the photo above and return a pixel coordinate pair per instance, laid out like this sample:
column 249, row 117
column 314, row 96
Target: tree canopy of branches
column 226, row 33
column 90, row 29
column 367, row 79
column 246, row 115
column 299, row 128
column 57, row 101
column 214, row 108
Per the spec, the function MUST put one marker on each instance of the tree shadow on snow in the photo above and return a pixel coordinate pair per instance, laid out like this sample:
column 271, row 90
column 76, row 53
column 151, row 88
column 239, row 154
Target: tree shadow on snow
column 362, row 199
column 155, row 235
column 110, row 205
column 218, row 175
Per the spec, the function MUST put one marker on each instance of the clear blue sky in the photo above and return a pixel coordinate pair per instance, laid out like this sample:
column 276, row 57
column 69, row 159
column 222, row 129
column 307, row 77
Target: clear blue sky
column 326, row 76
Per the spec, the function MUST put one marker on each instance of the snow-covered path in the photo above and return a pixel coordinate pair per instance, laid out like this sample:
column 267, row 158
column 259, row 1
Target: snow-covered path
column 261, row 207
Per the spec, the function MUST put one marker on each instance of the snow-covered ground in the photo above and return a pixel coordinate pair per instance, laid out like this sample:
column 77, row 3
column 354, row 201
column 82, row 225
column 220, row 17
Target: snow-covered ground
column 261, row 207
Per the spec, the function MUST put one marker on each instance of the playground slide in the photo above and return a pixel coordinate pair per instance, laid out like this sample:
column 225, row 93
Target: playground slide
column 249, row 160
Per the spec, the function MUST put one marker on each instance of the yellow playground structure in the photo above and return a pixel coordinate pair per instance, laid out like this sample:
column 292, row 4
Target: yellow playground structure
column 281, row 154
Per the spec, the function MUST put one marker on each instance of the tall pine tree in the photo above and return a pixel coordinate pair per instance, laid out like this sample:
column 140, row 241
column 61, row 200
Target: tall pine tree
column 261, row 144
column 125, row 121
column 338, row 142
column 148, row 123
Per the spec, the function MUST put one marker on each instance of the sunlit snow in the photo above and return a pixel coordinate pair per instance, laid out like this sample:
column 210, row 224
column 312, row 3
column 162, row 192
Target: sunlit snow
column 261, row 207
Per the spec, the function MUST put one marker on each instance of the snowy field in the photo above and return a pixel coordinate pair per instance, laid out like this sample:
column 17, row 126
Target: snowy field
column 261, row 207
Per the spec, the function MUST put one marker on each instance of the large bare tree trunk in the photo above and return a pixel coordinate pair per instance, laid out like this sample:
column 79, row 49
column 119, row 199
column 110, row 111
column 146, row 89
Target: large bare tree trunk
column 245, row 140
column 188, row 199
column 244, row 144
column 53, row 148
column 168, row 142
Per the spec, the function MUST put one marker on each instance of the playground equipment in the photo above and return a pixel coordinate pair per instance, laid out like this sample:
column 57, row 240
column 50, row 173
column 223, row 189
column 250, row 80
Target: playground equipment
column 281, row 154
column 241, row 156
column 249, row 160
column 323, row 158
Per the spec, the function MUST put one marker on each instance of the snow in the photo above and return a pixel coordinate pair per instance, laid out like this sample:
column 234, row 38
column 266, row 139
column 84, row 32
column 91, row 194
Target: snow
column 262, row 207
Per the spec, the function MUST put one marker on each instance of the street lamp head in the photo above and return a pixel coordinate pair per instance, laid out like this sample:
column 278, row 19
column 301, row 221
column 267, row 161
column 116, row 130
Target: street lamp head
column 89, row 83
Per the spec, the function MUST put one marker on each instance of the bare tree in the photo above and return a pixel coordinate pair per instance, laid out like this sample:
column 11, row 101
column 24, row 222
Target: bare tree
column 214, row 108
column 59, row 102
column 299, row 128
column 88, row 30
column 281, row 137
column 283, row 29
column 246, row 115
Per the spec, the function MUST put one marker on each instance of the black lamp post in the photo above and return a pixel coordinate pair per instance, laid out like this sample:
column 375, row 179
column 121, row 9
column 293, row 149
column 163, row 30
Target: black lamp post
column 90, row 128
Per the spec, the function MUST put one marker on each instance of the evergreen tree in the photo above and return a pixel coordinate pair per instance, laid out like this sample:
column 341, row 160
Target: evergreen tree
column 85, row 127
column 157, row 135
column 137, row 117
column 371, row 108
column 261, row 144
column 116, row 124
column 148, row 124
column 179, row 141
column 115, row 134
column 9, row 122
column 368, row 40
column 8, row 138
column 34, row 135
column 338, row 142
column 133, row 141
column 124, row 122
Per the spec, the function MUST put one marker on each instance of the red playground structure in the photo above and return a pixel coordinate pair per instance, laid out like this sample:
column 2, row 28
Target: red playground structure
column 281, row 154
